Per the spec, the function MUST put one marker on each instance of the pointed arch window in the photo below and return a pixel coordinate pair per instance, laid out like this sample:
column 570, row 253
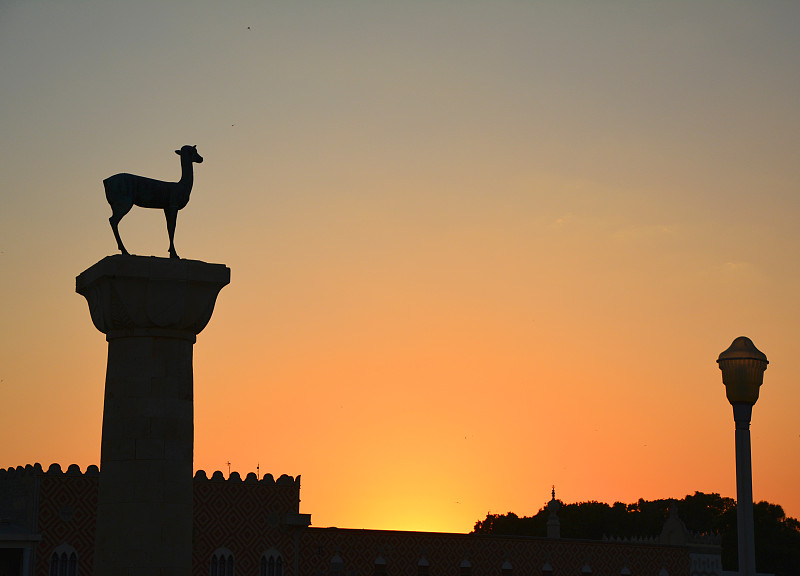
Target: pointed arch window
column 271, row 563
column 64, row 561
column 222, row 563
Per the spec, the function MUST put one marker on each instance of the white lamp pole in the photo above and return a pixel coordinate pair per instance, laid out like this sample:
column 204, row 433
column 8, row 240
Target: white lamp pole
column 743, row 368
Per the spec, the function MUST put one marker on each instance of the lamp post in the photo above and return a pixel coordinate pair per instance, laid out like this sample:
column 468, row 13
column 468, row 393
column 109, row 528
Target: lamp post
column 743, row 366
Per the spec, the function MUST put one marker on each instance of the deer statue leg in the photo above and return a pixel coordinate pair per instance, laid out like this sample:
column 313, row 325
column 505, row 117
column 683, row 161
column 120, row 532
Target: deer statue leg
column 172, row 216
column 118, row 211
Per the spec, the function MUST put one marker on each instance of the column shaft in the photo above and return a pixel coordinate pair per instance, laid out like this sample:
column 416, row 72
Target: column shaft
column 145, row 502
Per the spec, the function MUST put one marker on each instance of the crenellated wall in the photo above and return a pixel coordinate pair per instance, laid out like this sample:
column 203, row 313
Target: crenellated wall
column 17, row 489
column 247, row 517
column 251, row 478
column 60, row 506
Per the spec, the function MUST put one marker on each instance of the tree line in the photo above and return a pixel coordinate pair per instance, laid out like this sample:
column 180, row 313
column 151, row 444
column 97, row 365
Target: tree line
column 777, row 537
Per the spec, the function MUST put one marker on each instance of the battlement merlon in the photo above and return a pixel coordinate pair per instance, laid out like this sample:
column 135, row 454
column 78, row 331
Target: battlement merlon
column 268, row 479
column 92, row 471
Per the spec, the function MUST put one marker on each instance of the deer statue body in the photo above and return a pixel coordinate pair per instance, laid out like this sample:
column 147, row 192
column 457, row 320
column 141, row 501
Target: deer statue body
column 124, row 191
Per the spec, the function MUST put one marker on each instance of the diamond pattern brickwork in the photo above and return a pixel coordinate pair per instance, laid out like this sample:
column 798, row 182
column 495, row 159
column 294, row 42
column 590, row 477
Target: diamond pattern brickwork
column 67, row 512
column 248, row 518
column 444, row 553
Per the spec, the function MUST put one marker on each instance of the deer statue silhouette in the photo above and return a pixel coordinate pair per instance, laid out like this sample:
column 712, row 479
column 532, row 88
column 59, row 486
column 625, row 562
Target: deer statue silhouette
column 123, row 191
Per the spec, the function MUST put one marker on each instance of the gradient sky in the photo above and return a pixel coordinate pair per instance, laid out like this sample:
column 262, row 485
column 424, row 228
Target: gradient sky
column 477, row 248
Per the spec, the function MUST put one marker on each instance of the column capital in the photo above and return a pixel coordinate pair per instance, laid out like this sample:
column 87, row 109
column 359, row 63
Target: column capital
column 132, row 296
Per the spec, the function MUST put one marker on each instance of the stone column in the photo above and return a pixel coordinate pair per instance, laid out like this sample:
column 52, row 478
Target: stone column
column 151, row 310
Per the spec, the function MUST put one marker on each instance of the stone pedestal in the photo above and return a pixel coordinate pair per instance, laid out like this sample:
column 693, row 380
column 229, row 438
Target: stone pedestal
column 151, row 310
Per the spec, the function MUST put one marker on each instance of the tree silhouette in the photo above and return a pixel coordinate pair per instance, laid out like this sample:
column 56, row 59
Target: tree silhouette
column 777, row 536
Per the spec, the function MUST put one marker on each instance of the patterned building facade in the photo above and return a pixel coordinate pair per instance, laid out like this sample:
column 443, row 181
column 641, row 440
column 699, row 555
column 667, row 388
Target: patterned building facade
column 253, row 527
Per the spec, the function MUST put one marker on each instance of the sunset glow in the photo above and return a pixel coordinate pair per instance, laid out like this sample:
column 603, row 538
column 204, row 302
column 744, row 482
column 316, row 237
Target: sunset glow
column 477, row 249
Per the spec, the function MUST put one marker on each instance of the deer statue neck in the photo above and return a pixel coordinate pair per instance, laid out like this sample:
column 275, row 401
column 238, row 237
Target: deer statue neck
column 187, row 173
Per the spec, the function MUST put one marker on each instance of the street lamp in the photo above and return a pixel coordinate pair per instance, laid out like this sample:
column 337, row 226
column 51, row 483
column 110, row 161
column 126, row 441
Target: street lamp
column 743, row 368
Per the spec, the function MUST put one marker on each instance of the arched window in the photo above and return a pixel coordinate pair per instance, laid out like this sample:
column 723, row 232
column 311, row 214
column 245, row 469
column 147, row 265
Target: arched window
column 337, row 565
column 222, row 563
column 64, row 561
column 380, row 566
column 271, row 563
column 423, row 566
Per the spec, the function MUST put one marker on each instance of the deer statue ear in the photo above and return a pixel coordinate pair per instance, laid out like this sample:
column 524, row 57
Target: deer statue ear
column 178, row 152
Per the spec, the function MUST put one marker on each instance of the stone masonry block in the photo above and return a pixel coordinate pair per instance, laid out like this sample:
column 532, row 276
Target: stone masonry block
column 171, row 429
column 149, row 492
column 172, row 387
column 177, row 470
column 149, row 449
column 163, row 407
column 129, row 386
column 120, row 448
column 177, row 449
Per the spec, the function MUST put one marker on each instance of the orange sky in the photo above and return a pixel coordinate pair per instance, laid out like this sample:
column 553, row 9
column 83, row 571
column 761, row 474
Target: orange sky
column 477, row 248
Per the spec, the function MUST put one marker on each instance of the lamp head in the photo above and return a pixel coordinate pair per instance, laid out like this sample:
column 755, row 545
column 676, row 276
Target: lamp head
column 742, row 366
